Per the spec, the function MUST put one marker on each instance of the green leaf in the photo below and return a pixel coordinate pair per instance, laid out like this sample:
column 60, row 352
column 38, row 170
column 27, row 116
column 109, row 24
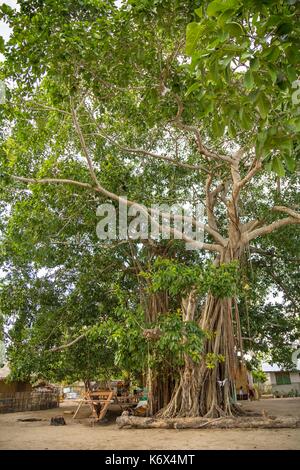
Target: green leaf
column 261, row 147
column 214, row 7
column 278, row 167
column 231, row 129
column 218, row 127
column 2, row 44
column 248, row 79
column 263, row 105
column 226, row 61
column 199, row 12
column 245, row 118
column 286, row 145
column 290, row 162
column 192, row 88
column 295, row 123
column 268, row 166
column 233, row 29
column 193, row 33
column 292, row 74
column 224, row 17
column 254, row 64
column 272, row 53
column 272, row 73
column 219, row 6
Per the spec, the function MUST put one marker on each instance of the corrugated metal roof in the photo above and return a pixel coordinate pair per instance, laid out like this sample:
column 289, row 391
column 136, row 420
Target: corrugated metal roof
column 267, row 367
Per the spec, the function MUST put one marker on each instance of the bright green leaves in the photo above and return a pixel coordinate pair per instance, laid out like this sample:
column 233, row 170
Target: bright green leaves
column 193, row 34
column 290, row 162
column 212, row 360
column 195, row 86
column 177, row 278
column 249, row 79
column 259, row 376
column 246, row 121
column 277, row 150
column 1, row 44
column 244, row 69
column 220, row 6
column 133, row 351
column 263, row 105
column 218, row 127
column 222, row 280
column 178, row 338
column 233, row 28
column 278, row 167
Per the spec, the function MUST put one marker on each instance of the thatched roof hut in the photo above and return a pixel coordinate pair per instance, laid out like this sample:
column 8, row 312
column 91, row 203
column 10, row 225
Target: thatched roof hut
column 11, row 386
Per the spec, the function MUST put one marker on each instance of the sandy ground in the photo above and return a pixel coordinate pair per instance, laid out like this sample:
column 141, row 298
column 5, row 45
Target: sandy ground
column 79, row 434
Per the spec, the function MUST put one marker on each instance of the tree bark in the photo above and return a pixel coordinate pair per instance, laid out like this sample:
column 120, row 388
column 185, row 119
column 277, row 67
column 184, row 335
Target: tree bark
column 198, row 423
column 203, row 390
column 160, row 383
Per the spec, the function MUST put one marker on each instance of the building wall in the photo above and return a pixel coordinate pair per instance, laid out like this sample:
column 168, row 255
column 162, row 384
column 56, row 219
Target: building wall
column 269, row 379
column 286, row 388
column 28, row 401
column 295, row 377
column 272, row 378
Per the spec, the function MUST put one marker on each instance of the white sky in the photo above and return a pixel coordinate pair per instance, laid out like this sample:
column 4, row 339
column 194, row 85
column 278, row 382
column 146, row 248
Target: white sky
column 4, row 29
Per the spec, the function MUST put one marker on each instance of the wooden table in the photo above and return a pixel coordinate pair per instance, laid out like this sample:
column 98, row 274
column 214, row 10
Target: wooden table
column 98, row 402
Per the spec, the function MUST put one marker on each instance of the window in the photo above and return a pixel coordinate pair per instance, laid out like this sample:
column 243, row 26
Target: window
column 282, row 378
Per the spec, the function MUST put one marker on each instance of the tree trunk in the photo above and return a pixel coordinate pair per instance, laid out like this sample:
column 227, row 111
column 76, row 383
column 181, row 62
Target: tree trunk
column 197, row 423
column 160, row 383
column 203, row 390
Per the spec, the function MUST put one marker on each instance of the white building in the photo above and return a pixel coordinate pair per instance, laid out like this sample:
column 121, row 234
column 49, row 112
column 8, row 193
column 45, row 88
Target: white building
column 281, row 382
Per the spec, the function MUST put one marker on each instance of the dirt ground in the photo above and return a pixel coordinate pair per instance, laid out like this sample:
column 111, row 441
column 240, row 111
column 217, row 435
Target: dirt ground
column 79, row 434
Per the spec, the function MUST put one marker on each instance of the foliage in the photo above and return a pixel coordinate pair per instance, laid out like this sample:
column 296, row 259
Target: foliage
column 126, row 67
column 259, row 376
column 135, row 353
column 178, row 278
column 244, row 60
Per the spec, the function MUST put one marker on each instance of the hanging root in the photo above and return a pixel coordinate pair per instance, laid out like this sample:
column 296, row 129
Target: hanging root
column 204, row 391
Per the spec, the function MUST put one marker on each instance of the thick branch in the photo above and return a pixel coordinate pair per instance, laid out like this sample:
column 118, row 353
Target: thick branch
column 147, row 153
column 121, row 200
column 46, row 107
column 64, row 346
column 249, row 226
column 255, row 168
column 22, row 179
column 287, row 210
column 201, row 147
column 270, row 228
column 84, row 148
column 211, row 197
